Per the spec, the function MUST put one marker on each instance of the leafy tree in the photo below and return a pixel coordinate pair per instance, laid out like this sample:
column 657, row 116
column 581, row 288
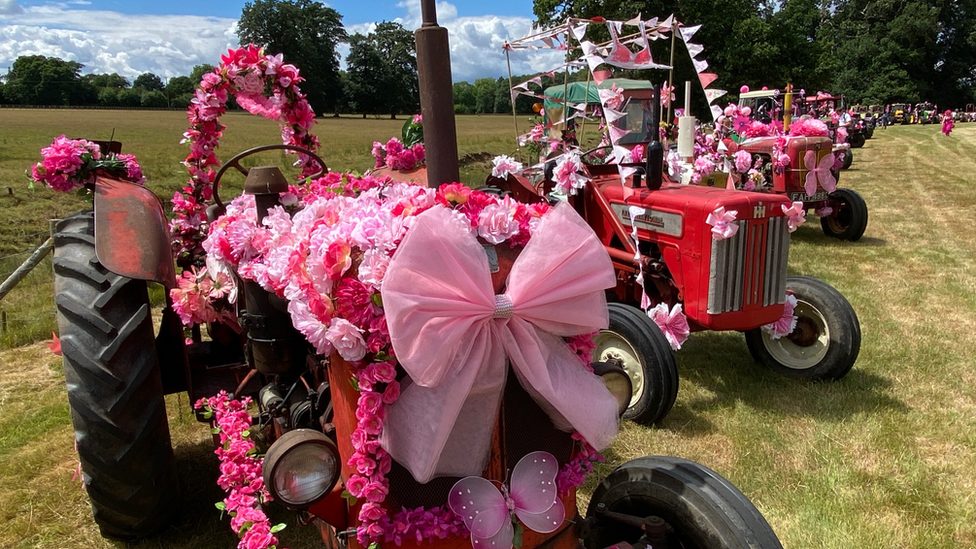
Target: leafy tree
column 307, row 33
column 465, row 101
column 503, row 96
column 129, row 98
column 383, row 67
column 40, row 80
column 154, row 98
column 484, row 95
column 179, row 85
column 114, row 80
column 108, row 97
column 149, row 82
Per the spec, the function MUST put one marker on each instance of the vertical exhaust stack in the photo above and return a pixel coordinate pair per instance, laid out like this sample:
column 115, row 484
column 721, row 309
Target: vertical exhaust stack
column 655, row 150
column 436, row 98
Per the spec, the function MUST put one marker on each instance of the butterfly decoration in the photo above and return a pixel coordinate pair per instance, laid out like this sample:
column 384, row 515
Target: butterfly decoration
column 796, row 215
column 487, row 511
column 819, row 173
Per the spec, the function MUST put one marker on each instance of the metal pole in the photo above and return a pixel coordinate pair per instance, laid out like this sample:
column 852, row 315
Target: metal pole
column 674, row 29
column 436, row 98
column 26, row 267
column 518, row 145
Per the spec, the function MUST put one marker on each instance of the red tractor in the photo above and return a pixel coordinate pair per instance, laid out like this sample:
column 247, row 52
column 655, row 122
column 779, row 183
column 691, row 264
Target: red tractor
column 848, row 217
column 117, row 371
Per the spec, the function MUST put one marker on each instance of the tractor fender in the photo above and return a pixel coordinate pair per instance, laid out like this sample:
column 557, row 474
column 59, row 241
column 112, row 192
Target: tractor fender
column 131, row 232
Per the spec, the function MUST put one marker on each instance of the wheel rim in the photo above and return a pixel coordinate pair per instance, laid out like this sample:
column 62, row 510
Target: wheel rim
column 841, row 218
column 807, row 345
column 611, row 345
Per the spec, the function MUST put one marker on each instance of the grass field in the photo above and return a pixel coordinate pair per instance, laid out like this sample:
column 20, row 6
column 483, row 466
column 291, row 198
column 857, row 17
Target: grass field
column 883, row 458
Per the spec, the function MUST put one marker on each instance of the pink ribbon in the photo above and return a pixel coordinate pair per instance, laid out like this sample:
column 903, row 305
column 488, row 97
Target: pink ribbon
column 455, row 338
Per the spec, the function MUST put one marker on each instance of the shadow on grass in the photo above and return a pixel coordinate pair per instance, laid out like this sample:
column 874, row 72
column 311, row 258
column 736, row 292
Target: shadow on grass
column 811, row 233
column 718, row 372
column 197, row 524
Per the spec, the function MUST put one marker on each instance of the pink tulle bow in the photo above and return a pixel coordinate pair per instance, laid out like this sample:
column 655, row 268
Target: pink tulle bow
column 486, row 510
column 723, row 223
column 796, row 214
column 455, row 337
column 819, row 173
column 673, row 323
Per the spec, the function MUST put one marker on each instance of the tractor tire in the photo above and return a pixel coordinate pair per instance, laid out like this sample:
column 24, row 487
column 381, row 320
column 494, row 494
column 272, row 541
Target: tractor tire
column 857, row 140
column 826, row 341
column 114, row 388
column 849, row 219
column 848, row 159
column 636, row 341
column 705, row 510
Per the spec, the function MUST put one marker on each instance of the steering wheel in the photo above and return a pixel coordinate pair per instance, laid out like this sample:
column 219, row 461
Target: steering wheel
column 235, row 162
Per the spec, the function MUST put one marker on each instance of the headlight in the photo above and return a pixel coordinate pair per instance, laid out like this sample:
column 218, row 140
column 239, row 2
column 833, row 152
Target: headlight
column 301, row 468
column 617, row 382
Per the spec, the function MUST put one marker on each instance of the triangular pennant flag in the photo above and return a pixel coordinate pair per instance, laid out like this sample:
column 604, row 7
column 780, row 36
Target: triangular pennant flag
column 688, row 32
column 700, row 66
column 707, row 78
column 716, row 111
column 695, row 49
column 625, row 172
column 712, row 95
column 547, row 41
column 616, row 133
column 635, row 21
column 621, row 154
column 667, row 23
column 579, row 31
column 599, row 77
column 612, row 115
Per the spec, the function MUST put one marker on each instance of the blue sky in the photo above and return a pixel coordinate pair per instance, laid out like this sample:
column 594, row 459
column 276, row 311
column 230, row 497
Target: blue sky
column 169, row 37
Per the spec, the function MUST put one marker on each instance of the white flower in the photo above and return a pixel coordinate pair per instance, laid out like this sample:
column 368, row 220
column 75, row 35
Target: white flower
column 505, row 166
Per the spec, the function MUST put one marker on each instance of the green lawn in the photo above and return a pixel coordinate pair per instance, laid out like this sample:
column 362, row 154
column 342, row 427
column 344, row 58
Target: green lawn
column 883, row 458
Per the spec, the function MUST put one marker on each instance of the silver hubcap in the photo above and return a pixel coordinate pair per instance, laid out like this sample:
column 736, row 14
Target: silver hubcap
column 801, row 351
column 612, row 345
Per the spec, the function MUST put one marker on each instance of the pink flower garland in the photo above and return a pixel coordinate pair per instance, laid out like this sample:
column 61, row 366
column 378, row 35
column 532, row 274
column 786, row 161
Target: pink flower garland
column 240, row 472
column 245, row 72
column 398, row 156
column 328, row 261
column 71, row 163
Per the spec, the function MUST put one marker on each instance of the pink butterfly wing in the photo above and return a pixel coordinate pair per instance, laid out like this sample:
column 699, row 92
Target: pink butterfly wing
column 810, row 163
column 827, row 180
column 544, row 522
column 501, row 540
column 480, row 505
column 533, row 487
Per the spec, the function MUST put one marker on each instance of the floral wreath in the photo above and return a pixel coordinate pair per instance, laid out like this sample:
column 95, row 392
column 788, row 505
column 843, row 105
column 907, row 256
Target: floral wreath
column 246, row 72
column 329, row 261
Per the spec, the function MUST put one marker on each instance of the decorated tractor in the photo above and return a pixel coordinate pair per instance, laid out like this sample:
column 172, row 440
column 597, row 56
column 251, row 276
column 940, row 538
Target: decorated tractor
column 413, row 361
column 901, row 113
column 687, row 257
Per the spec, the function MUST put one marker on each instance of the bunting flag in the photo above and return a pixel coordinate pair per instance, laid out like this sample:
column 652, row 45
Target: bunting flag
column 707, row 78
column 716, row 111
column 712, row 95
column 579, row 31
column 688, row 32
column 694, row 49
column 700, row 66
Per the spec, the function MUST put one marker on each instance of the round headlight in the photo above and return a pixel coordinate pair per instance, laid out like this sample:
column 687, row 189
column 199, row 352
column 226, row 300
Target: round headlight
column 301, row 468
column 617, row 381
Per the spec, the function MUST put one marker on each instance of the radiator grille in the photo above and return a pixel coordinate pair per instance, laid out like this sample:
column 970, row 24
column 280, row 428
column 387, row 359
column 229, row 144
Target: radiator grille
column 749, row 269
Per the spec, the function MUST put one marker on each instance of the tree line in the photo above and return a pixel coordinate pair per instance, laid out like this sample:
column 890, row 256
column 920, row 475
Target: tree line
column 871, row 51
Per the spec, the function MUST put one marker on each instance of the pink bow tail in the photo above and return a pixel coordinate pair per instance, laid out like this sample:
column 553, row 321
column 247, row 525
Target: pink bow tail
column 455, row 338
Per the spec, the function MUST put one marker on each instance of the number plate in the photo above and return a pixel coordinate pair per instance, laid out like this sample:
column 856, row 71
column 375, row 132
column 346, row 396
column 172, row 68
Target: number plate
column 802, row 197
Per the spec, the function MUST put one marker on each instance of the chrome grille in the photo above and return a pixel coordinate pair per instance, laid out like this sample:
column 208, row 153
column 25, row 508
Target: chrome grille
column 743, row 273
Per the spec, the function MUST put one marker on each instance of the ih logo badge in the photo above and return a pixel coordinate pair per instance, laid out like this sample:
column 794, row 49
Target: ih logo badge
column 759, row 211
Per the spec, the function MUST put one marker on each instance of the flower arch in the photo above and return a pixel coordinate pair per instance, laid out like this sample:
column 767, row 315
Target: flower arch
column 247, row 73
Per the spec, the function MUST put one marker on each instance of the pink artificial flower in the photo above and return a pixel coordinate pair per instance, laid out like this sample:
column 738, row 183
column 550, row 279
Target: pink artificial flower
column 796, row 215
column 503, row 166
column 810, row 127
column 743, row 161
column 346, row 339
column 567, row 176
column 496, row 223
column 418, row 119
column 787, row 323
column 824, row 211
column 355, row 485
column 723, row 223
column 673, row 323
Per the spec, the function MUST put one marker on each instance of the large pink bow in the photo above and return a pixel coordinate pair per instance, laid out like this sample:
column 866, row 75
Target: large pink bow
column 452, row 335
column 819, row 172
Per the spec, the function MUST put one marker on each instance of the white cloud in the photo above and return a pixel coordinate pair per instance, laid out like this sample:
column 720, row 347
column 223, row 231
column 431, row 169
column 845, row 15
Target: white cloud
column 170, row 45
column 10, row 7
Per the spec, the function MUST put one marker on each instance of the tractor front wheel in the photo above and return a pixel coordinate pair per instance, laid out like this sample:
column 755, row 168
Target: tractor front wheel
column 848, row 159
column 825, row 342
column 690, row 505
column 635, row 341
column 114, row 387
column 849, row 217
column 857, row 140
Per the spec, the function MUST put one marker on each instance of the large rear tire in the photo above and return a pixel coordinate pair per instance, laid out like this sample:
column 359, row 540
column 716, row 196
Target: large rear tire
column 826, row 341
column 857, row 140
column 114, row 388
column 705, row 510
column 849, row 217
column 635, row 340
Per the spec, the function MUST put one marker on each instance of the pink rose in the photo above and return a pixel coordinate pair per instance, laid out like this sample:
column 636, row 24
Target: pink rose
column 391, row 393
column 355, row 485
column 375, row 492
column 347, row 339
column 496, row 224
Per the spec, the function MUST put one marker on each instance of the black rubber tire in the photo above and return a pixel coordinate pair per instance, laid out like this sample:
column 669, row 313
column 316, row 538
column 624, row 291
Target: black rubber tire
column 848, row 159
column 114, row 388
column 705, row 510
column 822, row 314
column 648, row 360
column 857, row 140
column 849, row 219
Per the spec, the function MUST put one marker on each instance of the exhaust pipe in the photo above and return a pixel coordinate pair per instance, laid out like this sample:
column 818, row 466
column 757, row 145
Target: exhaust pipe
column 436, row 98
